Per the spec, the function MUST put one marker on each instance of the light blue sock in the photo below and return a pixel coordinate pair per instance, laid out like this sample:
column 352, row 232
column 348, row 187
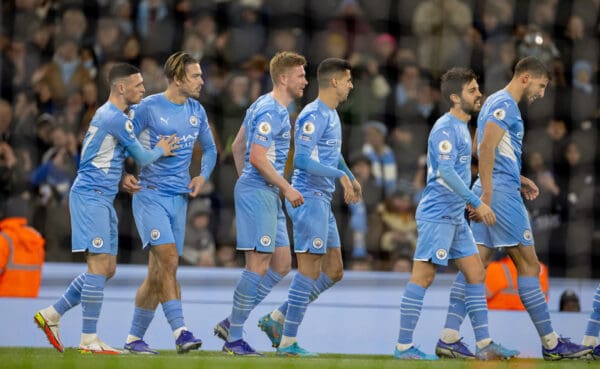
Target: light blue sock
column 456, row 309
column 298, row 297
column 593, row 326
column 283, row 308
column 266, row 285
column 141, row 321
column 72, row 296
column 410, row 310
column 535, row 304
column 174, row 313
column 243, row 303
column 321, row 284
column 478, row 311
column 92, row 294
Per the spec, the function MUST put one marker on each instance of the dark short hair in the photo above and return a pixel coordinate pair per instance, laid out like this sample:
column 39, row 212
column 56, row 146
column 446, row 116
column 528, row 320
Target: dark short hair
column 330, row 66
column 532, row 65
column 454, row 80
column 121, row 70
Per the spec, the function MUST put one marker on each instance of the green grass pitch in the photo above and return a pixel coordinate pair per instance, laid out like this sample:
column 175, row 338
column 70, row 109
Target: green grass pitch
column 42, row 358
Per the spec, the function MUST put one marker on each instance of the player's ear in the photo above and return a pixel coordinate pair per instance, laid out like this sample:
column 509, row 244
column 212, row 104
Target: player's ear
column 455, row 99
column 120, row 87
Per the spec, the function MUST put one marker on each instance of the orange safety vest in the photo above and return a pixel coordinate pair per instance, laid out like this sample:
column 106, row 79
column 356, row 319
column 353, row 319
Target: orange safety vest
column 501, row 288
column 21, row 258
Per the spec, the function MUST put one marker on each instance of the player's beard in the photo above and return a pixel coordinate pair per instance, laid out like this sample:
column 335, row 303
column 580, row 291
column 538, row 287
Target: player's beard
column 529, row 96
column 296, row 93
column 472, row 108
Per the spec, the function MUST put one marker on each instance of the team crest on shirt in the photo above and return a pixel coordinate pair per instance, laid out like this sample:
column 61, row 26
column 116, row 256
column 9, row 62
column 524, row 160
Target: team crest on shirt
column 527, row 235
column 129, row 126
column 193, row 120
column 445, row 147
column 317, row 243
column 131, row 114
column 155, row 234
column 98, row 242
column 264, row 128
column 441, row 254
column 265, row 240
column 499, row 114
column 308, row 128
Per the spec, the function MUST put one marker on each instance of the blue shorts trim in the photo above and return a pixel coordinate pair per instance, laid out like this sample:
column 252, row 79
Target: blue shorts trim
column 315, row 228
column 94, row 223
column 438, row 242
column 160, row 218
column 512, row 222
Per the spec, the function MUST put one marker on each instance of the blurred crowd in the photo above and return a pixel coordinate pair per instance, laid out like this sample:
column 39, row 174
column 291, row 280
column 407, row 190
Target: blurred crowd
column 54, row 57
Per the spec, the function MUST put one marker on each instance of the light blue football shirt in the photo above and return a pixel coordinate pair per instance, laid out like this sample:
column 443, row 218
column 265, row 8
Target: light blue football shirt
column 318, row 132
column 104, row 151
column 156, row 117
column 267, row 123
column 449, row 143
column 501, row 109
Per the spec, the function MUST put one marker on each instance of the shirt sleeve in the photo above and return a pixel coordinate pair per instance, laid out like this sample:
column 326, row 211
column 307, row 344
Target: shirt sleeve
column 121, row 128
column 143, row 156
column 266, row 124
column 344, row 167
column 207, row 142
column 444, row 147
column 500, row 113
column 309, row 130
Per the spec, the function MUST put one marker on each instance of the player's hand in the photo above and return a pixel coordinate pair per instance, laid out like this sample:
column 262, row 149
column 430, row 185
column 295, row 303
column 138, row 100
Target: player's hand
column 486, row 214
column 349, row 194
column 196, row 185
column 168, row 144
column 473, row 214
column 293, row 196
column 357, row 189
column 529, row 189
column 130, row 184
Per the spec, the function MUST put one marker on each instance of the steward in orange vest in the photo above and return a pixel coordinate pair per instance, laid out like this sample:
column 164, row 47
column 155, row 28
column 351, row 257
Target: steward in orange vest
column 501, row 288
column 21, row 258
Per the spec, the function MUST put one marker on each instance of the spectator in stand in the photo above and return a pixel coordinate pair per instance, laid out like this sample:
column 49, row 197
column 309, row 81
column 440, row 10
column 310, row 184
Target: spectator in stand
column 199, row 244
column 569, row 301
column 53, row 179
column 66, row 72
column 108, row 42
column 363, row 222
column 440, row 26
column 383, row 162
column 584, row 100
column 397, row 214
column 578, row 200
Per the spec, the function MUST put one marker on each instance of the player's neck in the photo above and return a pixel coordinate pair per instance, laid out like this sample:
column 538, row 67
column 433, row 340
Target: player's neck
column 281, row 95
column 514, row 89
column 173, row 95
column 328, row 99
column 118, row 102
column 459, row 114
